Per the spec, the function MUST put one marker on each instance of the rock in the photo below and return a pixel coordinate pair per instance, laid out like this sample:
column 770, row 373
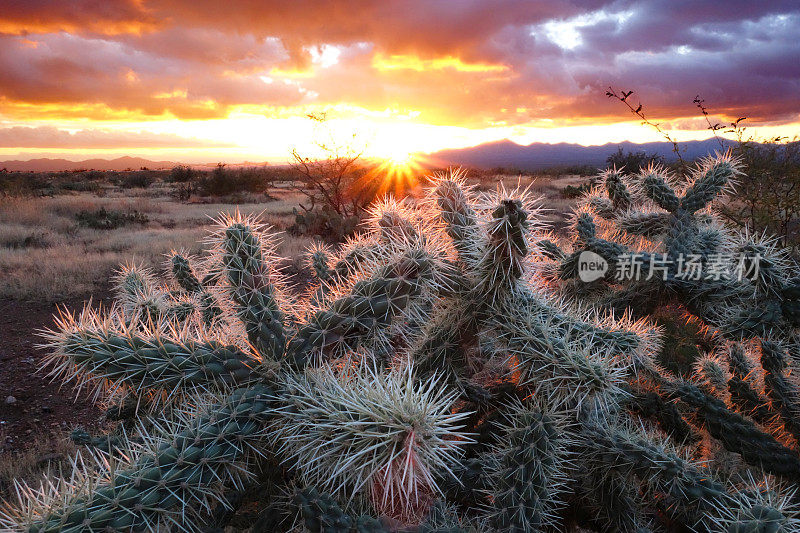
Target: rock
column 47, row 409
column 11, row 400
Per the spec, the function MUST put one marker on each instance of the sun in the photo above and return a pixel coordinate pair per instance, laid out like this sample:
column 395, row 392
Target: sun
column 396, row 172
column 399, row 158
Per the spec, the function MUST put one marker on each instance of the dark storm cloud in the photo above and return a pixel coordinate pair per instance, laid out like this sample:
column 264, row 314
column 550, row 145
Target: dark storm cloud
column 553, row 60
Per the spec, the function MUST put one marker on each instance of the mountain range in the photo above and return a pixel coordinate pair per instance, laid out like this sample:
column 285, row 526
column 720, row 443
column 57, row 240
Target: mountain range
column 538, row 156
column 505, row 153
column 50, row 165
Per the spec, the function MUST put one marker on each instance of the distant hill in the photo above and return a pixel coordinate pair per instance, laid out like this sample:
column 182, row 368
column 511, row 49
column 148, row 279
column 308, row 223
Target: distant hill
column 505, row 153
column 538, row 156
column 121, row 163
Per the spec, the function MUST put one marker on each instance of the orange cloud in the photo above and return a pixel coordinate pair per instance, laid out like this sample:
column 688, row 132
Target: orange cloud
column 411, row 62
column 471, row 64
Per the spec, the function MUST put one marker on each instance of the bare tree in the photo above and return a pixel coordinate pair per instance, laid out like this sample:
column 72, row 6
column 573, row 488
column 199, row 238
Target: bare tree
column 335, row 179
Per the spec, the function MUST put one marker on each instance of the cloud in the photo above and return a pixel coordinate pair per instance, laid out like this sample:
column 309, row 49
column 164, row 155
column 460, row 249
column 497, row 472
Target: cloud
column 51, row 137
column 474, row 63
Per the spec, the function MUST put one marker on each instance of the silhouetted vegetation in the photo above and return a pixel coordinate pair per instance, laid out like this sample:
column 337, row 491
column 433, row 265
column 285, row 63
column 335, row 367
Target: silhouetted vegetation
column 767, row 201
column 223, row 180
column 140, row 179
column 108, row 219
column 570, row 191
column 182, row 174
column 633, row 161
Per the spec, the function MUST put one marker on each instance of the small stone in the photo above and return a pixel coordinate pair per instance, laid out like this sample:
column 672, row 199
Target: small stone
column 46, row 409
column 11, row 400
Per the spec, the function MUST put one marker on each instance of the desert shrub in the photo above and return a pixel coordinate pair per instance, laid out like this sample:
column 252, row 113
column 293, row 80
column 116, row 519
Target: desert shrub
column 223, row 181
column 633, row 161
column 136, row 179
column 570, row 191
column 185, row 178
column 37, row 239
column 324, row 223
column 25, row 184
column 338, row 179
column 93, row 175
column 78, row 185
column 769, row 199
column 181, row 174
column 109, row 219
column 562, row 170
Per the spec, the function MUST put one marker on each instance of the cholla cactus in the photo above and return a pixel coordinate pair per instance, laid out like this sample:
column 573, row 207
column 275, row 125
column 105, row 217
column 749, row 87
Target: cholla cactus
column 663, row 243
column 529, row 466
column 434, row 380
column 144, row 302
column 362, row 430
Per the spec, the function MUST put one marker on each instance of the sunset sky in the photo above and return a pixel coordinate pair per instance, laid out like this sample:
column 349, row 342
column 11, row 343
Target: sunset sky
column 211, row 80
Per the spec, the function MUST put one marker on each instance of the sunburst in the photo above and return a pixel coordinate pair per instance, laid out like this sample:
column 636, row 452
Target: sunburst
column 396, row 173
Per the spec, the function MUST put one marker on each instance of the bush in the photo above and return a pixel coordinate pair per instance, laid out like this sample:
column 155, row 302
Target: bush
column 181, row 174
column 78, row 185
column 562, row 170
column 633, row 161
column 325, row 223
column 769, row 199
column 137, row 179
column 105, row 219
column 24, row 184
column 223, row 181
column 570, row 191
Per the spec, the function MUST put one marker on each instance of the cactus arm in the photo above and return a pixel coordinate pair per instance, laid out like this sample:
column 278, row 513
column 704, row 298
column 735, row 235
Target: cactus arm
column 167, row 485
column 695, row 495
column 458, row 215
column 618, row 191
column 321, row 513
column 736, row 433
column 551, row 250
column 709, row 182
column 650, row 405
column 505, row 249
column 148, row 364
column 615, row 502
column 654, row 185
column 384, row 435
column 251, row 290
column 559, row 360
column 783, row 394
column 643, row 223
column 370, row 306
column 184, row 275
column 529, row 472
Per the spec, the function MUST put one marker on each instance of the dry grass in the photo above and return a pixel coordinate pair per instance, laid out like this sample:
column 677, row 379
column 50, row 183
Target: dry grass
column 557, row 208
column 46, row 453
column 47, row 256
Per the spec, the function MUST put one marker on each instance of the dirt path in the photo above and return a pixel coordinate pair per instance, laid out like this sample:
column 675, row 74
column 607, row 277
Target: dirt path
column 31, row 407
